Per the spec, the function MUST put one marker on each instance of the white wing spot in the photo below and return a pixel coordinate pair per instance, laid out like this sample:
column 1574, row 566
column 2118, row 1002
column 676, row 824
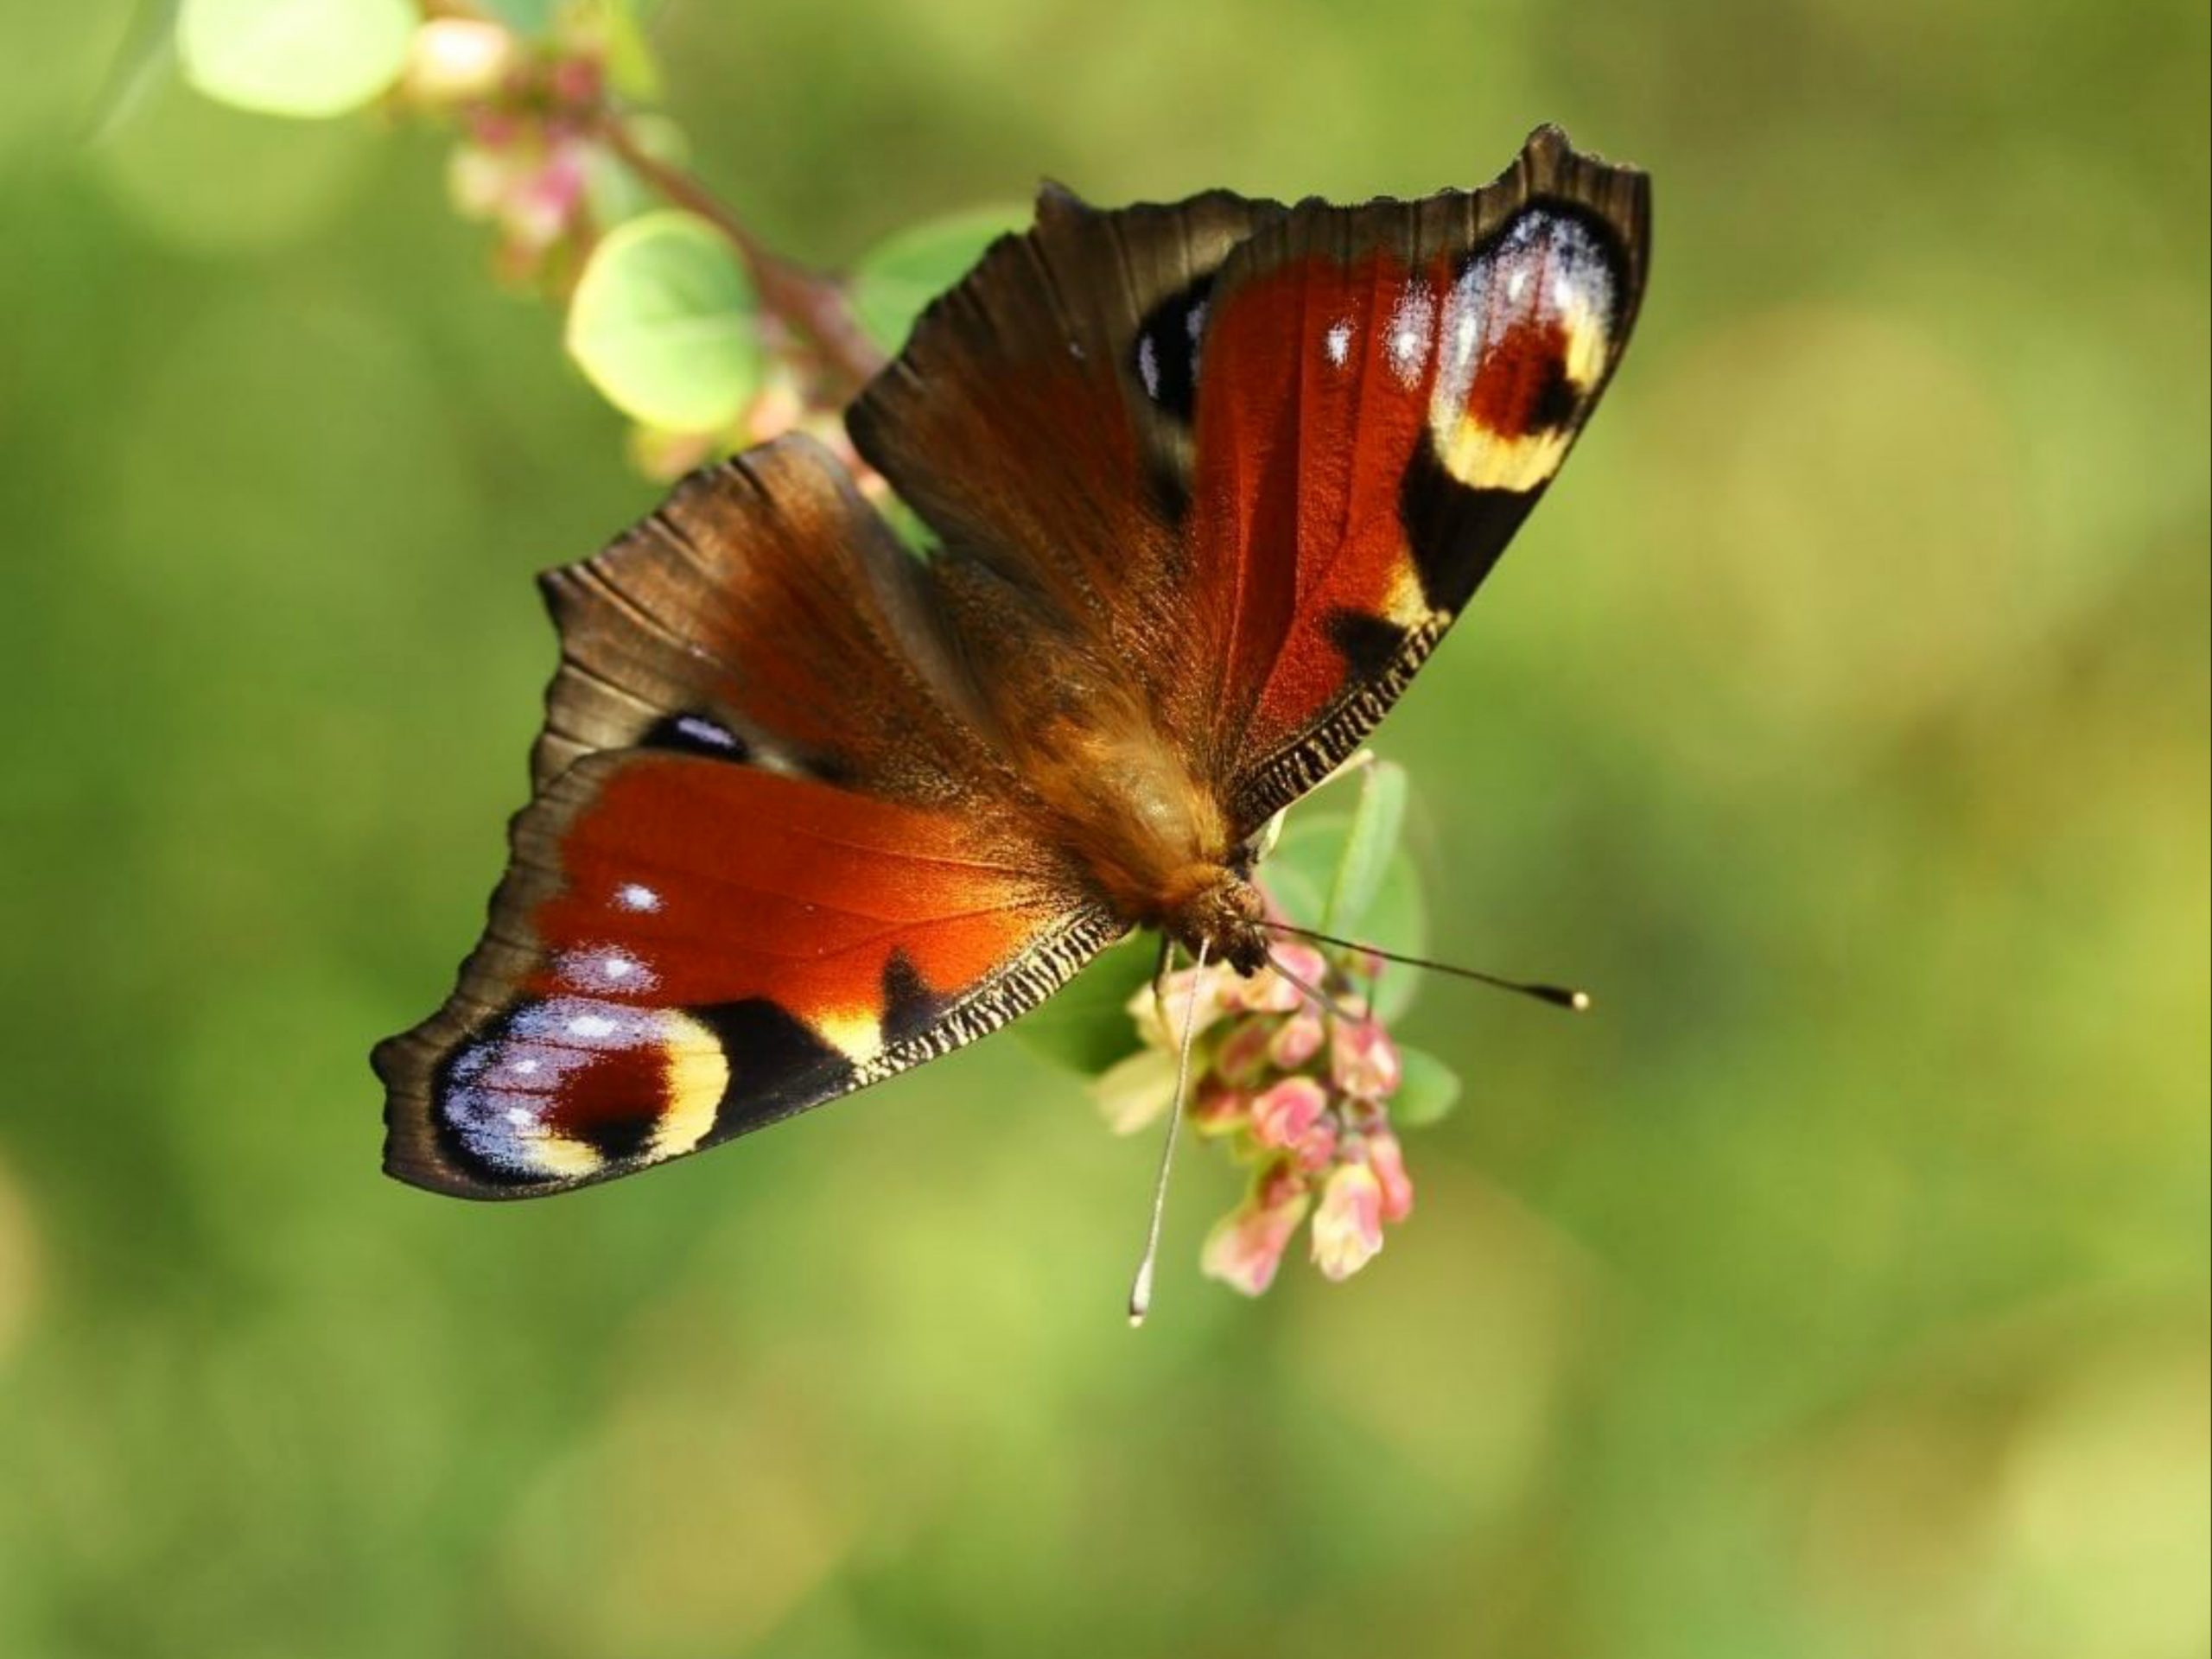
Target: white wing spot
column 1411, row 323
column 1148, row 367
column 636, row 895
column 1337, row 342
column 591, row 1025
column 702, row 730
column 604, row 968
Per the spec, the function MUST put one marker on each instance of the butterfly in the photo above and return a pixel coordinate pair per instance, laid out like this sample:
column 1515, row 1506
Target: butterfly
column 1207, row 482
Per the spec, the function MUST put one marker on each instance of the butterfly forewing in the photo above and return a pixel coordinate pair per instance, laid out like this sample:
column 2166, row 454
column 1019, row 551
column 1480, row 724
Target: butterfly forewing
column 1386, row 390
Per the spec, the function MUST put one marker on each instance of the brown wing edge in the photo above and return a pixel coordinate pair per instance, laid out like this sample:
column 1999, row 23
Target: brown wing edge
column 1548, row 169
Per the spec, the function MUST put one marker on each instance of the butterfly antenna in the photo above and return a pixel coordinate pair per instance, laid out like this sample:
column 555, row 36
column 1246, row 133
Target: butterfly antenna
column 1560, row 996
column 1140, row 1291
column 1159, row 972
column 1313, row 993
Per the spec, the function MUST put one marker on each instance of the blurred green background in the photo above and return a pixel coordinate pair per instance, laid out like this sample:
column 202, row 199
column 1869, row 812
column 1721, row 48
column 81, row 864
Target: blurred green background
column 1839, row 1289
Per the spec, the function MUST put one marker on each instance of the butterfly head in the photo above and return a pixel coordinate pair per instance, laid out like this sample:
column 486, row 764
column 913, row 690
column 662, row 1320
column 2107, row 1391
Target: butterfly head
column 1218, row 913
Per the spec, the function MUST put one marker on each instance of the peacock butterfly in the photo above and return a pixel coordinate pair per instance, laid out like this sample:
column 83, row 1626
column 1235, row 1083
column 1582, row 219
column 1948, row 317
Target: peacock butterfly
column 1209, row 480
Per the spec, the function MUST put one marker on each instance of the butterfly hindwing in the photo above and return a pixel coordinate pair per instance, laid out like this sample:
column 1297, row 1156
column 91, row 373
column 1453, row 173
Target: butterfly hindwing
column 686, row 948
column 763, row 612
column 1040, row 418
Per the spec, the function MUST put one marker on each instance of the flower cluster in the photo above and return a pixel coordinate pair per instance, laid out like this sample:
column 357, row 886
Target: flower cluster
column 1297, row 1091
column 530, row 114
column 549, row 153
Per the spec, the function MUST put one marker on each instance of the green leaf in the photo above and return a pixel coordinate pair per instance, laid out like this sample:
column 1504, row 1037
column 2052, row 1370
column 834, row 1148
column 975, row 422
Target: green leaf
column 612, row 194
column 631, row 68
column 1369, row 845
column 304, row 57
column 1427, row 1090
column 1398, row 920
column 1085, row 1026
column 1303, row 872
column 911, row 528
column 663, row 323
column 896, row 279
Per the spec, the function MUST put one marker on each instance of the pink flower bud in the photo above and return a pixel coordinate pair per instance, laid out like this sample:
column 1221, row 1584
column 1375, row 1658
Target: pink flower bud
column 1364, row 1061
column 1297, row 1040
column 1218, row 1109
column 1244, row 1054
column 1246, row 1245
column 1348, row 1226
column 1270, row 992
column 577, row 82
column 1267, row 992
column 1214, row 986
column 1284, row 1115
column 1316, row 1148
column 1388, row 1160
column 542, row 207
column 494, row 129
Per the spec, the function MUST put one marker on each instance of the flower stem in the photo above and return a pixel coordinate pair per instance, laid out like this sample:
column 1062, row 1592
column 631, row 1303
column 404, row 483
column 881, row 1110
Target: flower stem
column 811, row 304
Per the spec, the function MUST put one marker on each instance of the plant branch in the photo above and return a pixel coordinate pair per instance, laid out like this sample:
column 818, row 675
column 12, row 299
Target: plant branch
column 811, row 304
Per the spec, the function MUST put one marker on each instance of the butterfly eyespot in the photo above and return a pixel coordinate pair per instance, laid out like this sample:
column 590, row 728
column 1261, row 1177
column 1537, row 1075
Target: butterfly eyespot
column 569, row 1088
column 696, row 734
column 1165, row 354
column 1527, row 334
